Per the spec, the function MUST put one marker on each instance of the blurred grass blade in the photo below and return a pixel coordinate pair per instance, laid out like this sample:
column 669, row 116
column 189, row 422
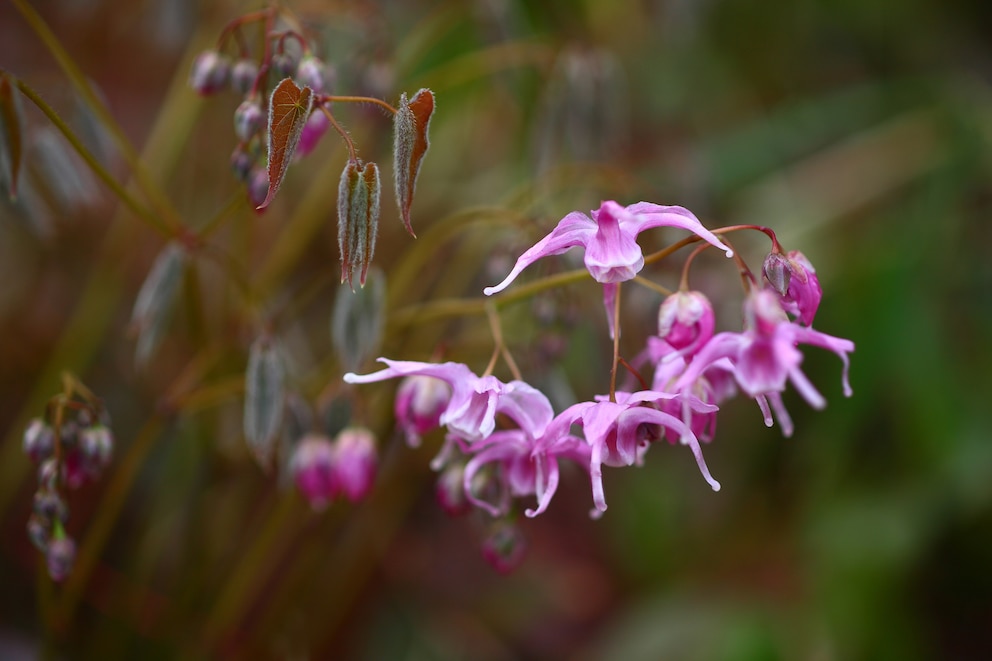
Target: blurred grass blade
column 289, row 108
column 11, row 123
column 264, row 398
column 412, row 120
column 357, row 321
column 153, row 307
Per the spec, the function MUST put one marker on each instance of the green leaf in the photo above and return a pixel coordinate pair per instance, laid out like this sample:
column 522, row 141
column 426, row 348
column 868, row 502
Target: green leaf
column 264, row 398
column 156, row 300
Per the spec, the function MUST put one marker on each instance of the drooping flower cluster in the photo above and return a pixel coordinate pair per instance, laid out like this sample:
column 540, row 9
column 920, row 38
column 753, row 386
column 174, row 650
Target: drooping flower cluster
column 71, row 445
column 324, row 469
column 503, row 440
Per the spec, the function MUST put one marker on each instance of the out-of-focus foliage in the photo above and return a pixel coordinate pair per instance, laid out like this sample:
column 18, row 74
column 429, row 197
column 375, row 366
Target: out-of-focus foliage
column 859, row 131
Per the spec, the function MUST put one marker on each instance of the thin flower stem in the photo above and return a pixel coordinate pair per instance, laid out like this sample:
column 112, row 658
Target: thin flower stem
column 684, row 282
column 217, row 220
column 616, row 344
column 653, row 286
column 637, row 375
column 360, row 99
column 494, row 326
column 92, row 162
column 352, row 152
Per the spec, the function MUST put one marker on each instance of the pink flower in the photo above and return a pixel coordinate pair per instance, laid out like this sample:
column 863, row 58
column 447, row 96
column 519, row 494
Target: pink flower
column 420, row 401
column 355, row 462
column 609, row 239
column 765, row 355
column 686, row 321
column 313, row 470
column 794, row 278
column 471, row 411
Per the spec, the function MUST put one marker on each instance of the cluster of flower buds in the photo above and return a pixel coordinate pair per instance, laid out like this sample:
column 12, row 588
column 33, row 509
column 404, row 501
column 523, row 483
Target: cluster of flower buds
column 695, row 370
column 324, row 469
column 70, row 446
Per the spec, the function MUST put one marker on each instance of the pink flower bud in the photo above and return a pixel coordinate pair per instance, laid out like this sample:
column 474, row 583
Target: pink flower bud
column 763, row 312
column 793, row 277
column 39, row 440
column 243, row 75
column 504, row 548
column 315, row 128
column 241, row 163
column 38, row 532
column 258, row 186
column 450, row 490
column 310, row 72
column 686, row 321
column 61, row 556
column 312, row 466
column 209, row 73
column 358, row 218
column 96, row 447
column 49, row 506
column 355, row 462
column 249, row 119
column 420, row 401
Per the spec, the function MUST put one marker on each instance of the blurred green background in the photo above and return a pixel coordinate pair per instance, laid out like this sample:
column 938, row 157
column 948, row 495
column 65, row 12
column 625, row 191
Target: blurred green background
column 859, row 130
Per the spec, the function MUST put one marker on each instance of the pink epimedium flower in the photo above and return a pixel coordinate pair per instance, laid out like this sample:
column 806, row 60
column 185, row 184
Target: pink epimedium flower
column 618, row 433
column 793, row 277
column 765, row 355
column 355, row 461
column 610, row 239
column 471, row 412
column 686, row 321
column 312, row 467
column 420, row 402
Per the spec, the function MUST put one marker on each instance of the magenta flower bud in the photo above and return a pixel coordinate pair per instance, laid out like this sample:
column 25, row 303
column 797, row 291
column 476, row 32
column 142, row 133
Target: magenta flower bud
column 39, row 440
column 258, row 186
column 243, row 75
column 315, row 128
column 310, row 72
column 249, row 119
column 96, row 447
column 209, row 73
column 504, row 548
column 312, row 466
column 420, row 401
column 355, row 462
column 763, row 312
column 450, row 490
column 793, row 277
column 61, row 556
column 686, row 321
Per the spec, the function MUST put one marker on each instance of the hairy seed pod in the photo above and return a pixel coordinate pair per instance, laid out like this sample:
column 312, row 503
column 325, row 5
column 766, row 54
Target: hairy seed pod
column 358, row 218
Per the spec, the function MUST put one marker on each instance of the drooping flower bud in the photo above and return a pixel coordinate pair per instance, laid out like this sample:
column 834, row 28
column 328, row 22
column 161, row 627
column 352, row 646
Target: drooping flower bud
column 358, row 218
column 315, row 128
column 686, row 321
column 243, row 75
column 410, row 126
column 355, row 461
column 504, row 548
column 38, row 532
column 312, row 466
column 249, row 119
column 209, row 73
column 61, row 556
column 39, row 440
column 793, row 277
column 258, row 187
column 96, row 447
column 420, row 401
column 763, row 312
column 242, row 163
column 450, row 490
column 283, row 65
column 310, row 72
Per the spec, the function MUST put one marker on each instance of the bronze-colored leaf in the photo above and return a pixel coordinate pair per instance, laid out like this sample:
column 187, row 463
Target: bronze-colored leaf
column 289, row 108
column 412, row 120
column 11, row 125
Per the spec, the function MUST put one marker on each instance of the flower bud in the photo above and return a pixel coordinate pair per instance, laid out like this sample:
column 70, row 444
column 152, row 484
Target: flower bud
column 420, row 401
column 61, row 556
column 763, row 312
column 209, row 73
column 450, row 490
column 38, row 532
column 793, row 277
column 243, row 75
column 49, row 474
column 686, row 321
column 504, row 548
column 312, row 466
column 249, row 119
column 283, row 65
column 96, row 446
column 258, row 186
column 358, row 218
column 355, row 460
column 39, row 440
column 310, row 72
column 49, row 506
column 241, row 164
column 315, row 128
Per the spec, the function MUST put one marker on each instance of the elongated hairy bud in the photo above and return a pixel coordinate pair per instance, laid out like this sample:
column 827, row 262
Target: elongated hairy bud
column 358, row 218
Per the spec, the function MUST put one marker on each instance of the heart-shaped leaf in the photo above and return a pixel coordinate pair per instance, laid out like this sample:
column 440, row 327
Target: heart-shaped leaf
column 289, row 108
column 10, row 134
column 410, row 125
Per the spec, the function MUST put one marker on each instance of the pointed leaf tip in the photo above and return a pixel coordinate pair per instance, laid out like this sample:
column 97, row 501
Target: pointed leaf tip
column 289, row 108
column 411, row 123
column 11, row 123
